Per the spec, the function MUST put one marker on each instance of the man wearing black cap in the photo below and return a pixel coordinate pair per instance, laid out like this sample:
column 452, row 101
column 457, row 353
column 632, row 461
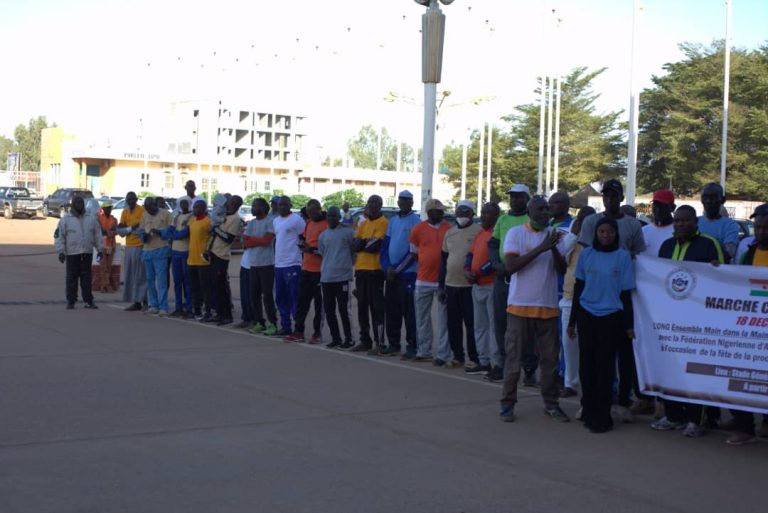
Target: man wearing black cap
column 631, row 239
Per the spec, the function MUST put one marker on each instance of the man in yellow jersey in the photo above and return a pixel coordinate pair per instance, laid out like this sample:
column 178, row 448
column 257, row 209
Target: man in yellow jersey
column 369, row 277
column 199, row 231
column 135, row 290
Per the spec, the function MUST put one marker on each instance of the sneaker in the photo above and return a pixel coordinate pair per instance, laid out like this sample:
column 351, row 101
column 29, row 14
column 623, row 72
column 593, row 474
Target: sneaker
column 347, row 345
column 454, row 364
column 257, row 328
column 295, row 337
column 390, row 351
column 90, row 305
column 374, row 351
column 162, row 313
column 316, row 339
column 359, row 348
column 569, row 392
column 135, row 307
column 664, row 424
column 437, row 362
column 495, row 374
column 152, row 311
column 223, row 322
column 507, row 413
column 243, row 325
column 208, row 318
column 269, row 330
column 556, row 413
column 282, row 333
column 422, row 359
column 642, row 407
column 177, row 313
column 529, row 379
column 484, row 369
column 472, row 368
column 579, row 414
column 693, row 430
column 189, row 315
column 622, row 414
column 332, row 345
column 408, row 355
column 741, row 438
column 70, row 306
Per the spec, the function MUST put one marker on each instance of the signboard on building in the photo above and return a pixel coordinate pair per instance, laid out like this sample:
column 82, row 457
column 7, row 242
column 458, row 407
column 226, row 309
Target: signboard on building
column 13, row 163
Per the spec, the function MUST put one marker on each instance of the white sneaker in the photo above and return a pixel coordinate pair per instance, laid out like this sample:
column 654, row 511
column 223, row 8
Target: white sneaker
column 152, row 311
column 622, row 414
column 162, row 313
column 664, row 424
column 693, row 430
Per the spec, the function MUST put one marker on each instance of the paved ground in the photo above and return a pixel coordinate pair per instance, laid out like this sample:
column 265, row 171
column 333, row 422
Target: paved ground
column 108, row 411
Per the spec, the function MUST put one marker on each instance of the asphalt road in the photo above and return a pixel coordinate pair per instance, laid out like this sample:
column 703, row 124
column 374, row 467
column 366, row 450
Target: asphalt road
column 109, row 411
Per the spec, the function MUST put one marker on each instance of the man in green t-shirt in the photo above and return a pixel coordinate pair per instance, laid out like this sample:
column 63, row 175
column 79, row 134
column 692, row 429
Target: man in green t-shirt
column 519, row 195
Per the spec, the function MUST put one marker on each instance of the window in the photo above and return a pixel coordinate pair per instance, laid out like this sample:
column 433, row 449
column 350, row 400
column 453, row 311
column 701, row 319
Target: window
column 144, row 180
column 267, row 186
column 169, row 181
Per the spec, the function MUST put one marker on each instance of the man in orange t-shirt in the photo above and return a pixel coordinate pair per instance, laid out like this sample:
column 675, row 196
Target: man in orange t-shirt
column 109, row 230
column 427, row 241
column 309, row 281
column 480, row 271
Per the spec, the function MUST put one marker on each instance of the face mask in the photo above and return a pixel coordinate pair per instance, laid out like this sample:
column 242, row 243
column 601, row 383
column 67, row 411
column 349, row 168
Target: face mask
column 463, row 221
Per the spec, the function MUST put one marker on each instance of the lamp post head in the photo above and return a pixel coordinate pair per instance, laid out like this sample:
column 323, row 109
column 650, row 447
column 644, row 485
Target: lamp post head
column 426, row 3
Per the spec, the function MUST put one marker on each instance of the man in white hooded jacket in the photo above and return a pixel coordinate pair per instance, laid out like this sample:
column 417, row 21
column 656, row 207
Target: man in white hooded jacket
column 75, row 238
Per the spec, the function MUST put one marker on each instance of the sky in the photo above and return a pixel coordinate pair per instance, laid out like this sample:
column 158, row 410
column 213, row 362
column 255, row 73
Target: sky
column 97, row 67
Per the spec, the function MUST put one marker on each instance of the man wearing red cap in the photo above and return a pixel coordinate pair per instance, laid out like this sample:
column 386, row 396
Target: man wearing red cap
column 663, row 205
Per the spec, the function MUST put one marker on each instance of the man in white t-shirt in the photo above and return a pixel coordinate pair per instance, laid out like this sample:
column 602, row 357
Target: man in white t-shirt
column 661, row 229
column 534, row 258
column 288, row 226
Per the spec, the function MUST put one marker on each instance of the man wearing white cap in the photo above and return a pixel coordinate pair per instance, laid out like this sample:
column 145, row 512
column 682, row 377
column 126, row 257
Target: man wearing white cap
column 400, row 267
column 519, row 195
column 456, row 290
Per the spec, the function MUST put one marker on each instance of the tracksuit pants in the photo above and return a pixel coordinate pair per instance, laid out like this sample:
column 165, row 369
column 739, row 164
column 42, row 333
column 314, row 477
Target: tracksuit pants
column 336, row 296
column 309, row 291
column 262, row 282
column 287, row 294
column 182, row 284
column 400, row 307
column 370, row 306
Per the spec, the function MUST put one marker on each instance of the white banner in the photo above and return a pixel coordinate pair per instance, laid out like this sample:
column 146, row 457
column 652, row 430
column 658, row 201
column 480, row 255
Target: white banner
column 702, row 332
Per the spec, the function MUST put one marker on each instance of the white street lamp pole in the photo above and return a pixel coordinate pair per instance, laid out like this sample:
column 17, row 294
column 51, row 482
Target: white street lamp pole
column 550, row 92
column 464, row 166
column 633, row 114
column 543, row 87
column 432, row 37
column 488, row 165
column 480, row 165
column 726, row 88
column 556, row 171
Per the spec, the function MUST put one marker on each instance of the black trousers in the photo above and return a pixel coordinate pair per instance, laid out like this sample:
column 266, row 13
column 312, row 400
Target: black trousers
column 745, row 421
column 460, row 309
column 370, row 306
column 336, row 295
column 628, row 381
column 400, row 307
column 599, row 338
column 200, row 284
column 677, row 411
column 78, row 268
column 309, row 291
column 220, row 270
column 262, row 281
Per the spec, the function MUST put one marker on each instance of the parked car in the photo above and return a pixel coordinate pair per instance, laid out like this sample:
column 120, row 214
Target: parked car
column 18, row 200
column 58, row 203
column 746, row 228
column 120, row 205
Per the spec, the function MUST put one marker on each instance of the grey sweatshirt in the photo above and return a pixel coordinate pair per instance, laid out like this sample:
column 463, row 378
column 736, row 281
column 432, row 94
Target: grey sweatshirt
column 338, row 258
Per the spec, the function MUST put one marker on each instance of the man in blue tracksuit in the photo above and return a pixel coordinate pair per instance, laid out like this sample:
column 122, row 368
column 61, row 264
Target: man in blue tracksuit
column 400, row 268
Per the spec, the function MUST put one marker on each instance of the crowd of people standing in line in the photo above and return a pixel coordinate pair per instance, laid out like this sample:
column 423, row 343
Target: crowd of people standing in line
column 529, row 291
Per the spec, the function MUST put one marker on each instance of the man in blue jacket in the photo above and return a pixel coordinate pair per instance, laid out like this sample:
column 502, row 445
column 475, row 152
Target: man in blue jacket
column 400, row 268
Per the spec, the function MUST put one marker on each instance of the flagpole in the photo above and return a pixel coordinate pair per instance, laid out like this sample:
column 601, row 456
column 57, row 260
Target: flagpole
column 726, row 87
column 633, row 122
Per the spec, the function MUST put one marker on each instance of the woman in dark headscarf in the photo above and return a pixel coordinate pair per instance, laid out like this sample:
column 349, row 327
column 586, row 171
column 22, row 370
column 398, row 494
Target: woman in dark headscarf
column 602, row 311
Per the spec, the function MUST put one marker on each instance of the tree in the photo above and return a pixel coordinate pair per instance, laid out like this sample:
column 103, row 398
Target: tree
column 681, row 123
column 248, row 200
column 6, row 146
column 28, row 142
column 337, row 199
column 363, row 149
column 299, row 200
column 591, row 143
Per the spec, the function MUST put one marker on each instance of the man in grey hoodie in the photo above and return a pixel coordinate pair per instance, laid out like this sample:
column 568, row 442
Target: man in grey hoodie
column 75, row 238
column 335, row 244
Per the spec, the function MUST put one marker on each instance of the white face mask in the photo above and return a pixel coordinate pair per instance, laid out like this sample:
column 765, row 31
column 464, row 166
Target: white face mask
column 463, row 221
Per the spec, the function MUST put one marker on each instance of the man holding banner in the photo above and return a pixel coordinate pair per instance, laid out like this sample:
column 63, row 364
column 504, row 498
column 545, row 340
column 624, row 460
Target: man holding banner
column 688, row 245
